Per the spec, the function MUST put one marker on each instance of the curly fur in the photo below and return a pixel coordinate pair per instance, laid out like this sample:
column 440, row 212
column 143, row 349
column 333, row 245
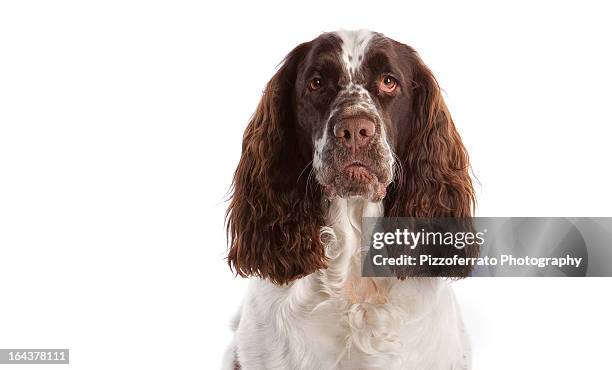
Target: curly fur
column 274, row 219
column 435, row 181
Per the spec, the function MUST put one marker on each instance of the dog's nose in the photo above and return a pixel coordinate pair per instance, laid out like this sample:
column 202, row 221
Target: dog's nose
column 355, row 133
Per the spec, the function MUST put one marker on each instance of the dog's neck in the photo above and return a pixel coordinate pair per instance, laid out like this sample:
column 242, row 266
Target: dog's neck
column 343, row 248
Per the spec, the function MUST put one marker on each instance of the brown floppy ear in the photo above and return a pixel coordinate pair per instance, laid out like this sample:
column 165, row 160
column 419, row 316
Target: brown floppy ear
column 435, row 179
column 274, row 216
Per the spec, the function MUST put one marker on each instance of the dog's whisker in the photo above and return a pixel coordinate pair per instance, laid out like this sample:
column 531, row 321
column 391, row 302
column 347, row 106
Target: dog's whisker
column 310, row 176
column 302, row 172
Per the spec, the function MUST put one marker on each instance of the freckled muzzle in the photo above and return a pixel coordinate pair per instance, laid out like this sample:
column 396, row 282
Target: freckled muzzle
column 355, row 158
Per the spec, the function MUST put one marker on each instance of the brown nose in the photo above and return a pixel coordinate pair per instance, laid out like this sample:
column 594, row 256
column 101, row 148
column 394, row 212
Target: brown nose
column 355, row 133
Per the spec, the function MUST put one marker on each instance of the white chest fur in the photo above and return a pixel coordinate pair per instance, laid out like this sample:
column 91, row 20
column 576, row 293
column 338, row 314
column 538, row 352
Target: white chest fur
column 336, row 319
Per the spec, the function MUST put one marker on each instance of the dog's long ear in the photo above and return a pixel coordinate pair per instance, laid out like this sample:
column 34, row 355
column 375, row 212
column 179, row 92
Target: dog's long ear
column 435, row 179
column 274, row 217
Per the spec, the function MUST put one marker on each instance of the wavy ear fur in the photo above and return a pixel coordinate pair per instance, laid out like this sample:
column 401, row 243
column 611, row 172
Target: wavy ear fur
column 435, row 179
column 274, row 218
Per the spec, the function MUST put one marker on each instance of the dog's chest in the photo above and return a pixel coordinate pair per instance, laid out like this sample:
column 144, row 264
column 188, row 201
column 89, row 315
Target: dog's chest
column 353, row 335
column 354, row 321
column 396, row 325
column 339, row 320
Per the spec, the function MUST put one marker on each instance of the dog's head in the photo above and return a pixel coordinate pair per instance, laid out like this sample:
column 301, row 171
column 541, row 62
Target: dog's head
column 348, row 114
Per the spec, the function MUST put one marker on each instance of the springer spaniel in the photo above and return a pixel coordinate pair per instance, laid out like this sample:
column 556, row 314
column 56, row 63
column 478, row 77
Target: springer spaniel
column 353, row 124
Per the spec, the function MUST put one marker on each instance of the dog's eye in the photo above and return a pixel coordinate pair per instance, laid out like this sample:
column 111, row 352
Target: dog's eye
column 387, row 84
column 314, row 84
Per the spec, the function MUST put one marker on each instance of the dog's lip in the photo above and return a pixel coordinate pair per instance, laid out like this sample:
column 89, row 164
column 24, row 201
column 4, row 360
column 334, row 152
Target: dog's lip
column 357, row 164
column 362, row 167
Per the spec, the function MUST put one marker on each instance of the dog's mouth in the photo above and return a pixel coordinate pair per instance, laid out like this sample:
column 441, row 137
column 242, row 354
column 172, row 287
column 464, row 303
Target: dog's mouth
column 358, row 179
column 358, row 172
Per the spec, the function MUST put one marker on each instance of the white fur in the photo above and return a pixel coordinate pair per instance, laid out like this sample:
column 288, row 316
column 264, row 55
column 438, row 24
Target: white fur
column 335, row 319
column 354, row 46
column 317, row 160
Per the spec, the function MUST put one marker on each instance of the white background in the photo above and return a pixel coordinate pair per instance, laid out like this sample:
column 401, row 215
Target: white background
column 121, row 125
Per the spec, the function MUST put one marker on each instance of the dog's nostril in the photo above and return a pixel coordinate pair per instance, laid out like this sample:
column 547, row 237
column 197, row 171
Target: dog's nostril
column 355, row 133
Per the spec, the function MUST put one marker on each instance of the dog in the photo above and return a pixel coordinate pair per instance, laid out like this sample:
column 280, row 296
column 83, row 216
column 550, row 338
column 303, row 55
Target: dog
column 353, row 124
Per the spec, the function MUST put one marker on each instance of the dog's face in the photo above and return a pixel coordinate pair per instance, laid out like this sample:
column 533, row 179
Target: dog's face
column 345, row 91
column 364, row 115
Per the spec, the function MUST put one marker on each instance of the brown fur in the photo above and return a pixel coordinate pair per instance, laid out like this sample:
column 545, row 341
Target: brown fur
column 435, row 180
column 274, row 219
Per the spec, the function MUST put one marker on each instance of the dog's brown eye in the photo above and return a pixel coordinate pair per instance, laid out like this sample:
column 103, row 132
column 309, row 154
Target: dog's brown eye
column 387, row 84
column 314, row 84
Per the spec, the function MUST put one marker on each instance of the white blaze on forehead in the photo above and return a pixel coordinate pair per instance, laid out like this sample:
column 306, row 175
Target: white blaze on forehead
column 354, row 46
